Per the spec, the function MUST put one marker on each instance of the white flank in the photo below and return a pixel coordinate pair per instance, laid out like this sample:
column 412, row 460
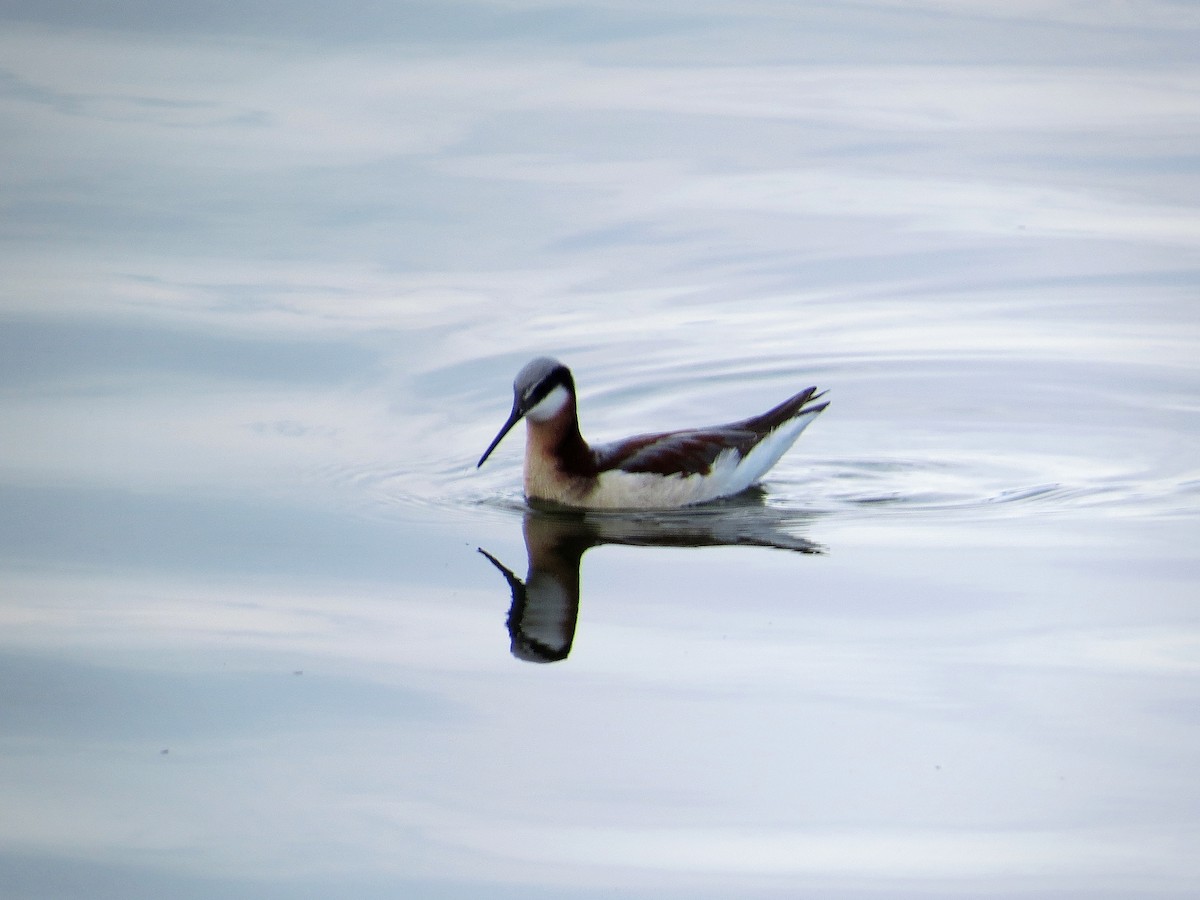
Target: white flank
column 729, row 475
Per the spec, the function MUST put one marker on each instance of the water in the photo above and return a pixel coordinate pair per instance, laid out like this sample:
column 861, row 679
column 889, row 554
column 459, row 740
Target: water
column 267, row 632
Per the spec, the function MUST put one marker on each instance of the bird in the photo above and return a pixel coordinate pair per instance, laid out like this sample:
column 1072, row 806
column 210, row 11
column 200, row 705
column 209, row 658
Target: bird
column 664, row 470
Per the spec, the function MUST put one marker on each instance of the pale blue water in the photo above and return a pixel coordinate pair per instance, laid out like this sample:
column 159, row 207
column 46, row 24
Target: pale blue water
column 268, row 273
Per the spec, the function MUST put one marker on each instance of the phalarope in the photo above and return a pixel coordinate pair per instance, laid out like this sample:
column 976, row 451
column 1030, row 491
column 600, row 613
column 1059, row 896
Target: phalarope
column 648, row 471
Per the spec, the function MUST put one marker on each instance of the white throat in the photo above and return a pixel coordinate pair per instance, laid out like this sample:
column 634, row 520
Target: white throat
column 550, row 405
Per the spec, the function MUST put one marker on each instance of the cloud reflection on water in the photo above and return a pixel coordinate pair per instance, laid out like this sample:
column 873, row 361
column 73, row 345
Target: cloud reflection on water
column 268, row 272
column 369, row 160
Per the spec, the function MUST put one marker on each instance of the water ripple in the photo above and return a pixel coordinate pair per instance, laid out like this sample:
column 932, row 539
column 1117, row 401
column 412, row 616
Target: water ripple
column 808, row 489
column 1040, row 446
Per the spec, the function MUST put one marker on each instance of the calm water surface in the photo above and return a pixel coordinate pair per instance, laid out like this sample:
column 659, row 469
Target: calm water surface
column 267, row 633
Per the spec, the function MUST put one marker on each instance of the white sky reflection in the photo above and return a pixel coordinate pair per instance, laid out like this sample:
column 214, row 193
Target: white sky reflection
column 269, row 269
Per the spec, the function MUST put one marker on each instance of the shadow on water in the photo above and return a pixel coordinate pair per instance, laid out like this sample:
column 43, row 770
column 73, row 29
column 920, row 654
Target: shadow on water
column 545, row 606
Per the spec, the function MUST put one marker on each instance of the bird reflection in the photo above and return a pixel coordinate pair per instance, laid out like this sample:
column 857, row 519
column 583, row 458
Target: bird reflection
column 545, row 606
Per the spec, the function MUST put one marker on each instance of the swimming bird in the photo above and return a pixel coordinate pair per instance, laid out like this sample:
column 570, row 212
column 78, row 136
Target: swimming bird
column 648, row 471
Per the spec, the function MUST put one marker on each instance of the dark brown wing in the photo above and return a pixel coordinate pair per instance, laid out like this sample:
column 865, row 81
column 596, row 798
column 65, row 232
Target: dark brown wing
column 693, row 452
column 675, row 452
